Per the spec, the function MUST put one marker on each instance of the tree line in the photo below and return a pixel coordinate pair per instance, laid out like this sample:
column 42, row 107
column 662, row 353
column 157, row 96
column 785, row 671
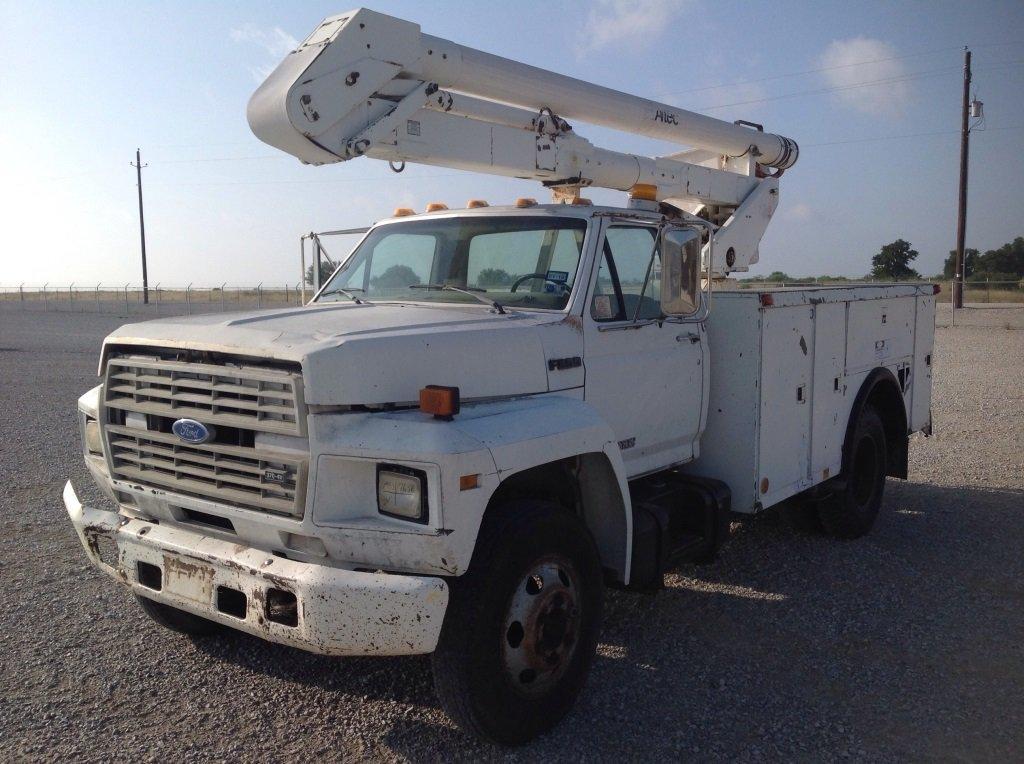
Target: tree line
column 894, row 261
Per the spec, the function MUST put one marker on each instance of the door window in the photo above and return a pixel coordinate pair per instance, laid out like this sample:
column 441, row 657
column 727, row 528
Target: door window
column 629, row 276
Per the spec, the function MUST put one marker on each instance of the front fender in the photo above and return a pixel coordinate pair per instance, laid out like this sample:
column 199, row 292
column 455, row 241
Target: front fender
column 492, row 440
column 527, row 433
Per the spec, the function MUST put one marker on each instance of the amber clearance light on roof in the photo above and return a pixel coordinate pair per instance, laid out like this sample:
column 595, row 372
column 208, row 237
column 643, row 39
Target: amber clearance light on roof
column 442, row 402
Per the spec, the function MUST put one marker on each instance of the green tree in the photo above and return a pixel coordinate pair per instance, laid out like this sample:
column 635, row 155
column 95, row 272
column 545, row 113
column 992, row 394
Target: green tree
column 1008, row 259
column 494, row 277
column 778, row 276
column 893, row 262
column 326, row 269
column 970, row 263
column 395, row 276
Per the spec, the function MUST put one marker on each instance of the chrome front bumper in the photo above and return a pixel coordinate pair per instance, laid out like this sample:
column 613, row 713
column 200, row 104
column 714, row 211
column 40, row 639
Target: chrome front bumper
column 314, row 607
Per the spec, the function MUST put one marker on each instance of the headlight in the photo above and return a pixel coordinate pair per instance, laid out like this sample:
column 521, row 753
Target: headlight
column 93, row 441
column 402, row 492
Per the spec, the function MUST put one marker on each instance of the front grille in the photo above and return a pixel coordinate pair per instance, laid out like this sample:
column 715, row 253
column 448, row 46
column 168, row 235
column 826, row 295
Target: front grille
column 265, row 400
column 228, row 474
column 241, row 401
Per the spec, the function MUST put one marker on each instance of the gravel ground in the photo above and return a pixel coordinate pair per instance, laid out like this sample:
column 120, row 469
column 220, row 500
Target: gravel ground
column 903, row 645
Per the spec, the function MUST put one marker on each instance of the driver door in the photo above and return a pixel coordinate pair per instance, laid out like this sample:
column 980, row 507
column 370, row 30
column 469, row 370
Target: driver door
column 644, row 372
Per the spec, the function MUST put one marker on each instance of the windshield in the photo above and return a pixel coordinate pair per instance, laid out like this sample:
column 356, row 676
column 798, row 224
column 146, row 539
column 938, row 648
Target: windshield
column 520, row 262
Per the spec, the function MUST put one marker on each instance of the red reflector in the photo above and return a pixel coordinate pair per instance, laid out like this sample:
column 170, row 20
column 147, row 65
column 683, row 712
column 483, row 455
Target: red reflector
column 767, row 300
column 936, row 288
column 442, row 402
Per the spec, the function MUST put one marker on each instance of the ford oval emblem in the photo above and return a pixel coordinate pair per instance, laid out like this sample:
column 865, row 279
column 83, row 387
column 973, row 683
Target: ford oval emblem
column 191, row 431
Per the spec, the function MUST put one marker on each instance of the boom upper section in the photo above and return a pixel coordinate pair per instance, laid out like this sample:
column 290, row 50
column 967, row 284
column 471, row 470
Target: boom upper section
column 367, row 84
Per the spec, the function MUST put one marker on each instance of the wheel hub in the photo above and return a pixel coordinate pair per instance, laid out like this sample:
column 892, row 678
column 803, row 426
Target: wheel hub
column 541, row 626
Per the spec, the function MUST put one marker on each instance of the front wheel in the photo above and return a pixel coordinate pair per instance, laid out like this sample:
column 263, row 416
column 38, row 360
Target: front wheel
column 522, row 624
column 850, row 512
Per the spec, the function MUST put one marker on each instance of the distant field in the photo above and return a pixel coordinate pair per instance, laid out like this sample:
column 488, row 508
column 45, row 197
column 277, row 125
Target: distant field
column 981, row 293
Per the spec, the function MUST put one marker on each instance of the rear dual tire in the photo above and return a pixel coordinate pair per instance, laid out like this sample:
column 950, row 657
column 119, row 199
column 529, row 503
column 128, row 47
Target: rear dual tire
column 849, row 511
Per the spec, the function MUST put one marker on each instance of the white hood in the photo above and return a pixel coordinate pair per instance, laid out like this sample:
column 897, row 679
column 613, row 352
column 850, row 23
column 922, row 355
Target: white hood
column 384, row 353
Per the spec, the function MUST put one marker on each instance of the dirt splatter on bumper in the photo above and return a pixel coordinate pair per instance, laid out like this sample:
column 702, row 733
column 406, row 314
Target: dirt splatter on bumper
column 314, row 607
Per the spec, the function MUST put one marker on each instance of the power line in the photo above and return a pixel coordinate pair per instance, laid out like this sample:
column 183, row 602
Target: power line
column 313, row 181
column 838, row 88
column 817, row 70
column 222, row 159
column 804, row 72
column 900, row 137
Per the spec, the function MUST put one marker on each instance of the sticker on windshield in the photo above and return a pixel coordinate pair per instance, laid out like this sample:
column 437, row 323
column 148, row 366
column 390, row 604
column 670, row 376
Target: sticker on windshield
column 602, row 306
column 559, row 276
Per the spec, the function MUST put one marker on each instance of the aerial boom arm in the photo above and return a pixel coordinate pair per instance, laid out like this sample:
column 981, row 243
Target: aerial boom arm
column 369, row 84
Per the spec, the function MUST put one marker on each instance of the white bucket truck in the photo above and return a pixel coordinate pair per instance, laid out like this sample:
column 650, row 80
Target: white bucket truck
column 488, row 414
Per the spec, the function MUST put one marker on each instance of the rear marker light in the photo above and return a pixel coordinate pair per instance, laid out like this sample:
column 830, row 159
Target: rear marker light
column 767, row 300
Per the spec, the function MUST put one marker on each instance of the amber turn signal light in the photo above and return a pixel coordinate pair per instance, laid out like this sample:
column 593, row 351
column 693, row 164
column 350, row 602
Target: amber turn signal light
column 442, row 402
column 469, row 482
column 646, row 192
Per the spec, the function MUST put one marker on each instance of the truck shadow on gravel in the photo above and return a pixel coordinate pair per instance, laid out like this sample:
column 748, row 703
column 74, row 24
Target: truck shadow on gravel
column 899, row 643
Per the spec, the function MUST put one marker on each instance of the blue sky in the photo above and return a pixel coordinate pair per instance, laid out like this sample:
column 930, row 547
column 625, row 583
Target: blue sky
column 83, row 84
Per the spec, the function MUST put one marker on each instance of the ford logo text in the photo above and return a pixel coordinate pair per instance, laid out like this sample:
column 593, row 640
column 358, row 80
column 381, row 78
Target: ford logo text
column 191, row 431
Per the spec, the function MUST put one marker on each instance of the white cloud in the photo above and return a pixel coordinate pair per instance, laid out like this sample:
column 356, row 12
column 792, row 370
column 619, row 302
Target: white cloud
column 276, row 42
column 617, row 23
column 798, row 212
column 846, row 70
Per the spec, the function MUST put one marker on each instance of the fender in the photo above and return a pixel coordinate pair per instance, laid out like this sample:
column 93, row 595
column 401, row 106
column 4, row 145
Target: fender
column 876, row 384
column 495, row 440
column 532, row 432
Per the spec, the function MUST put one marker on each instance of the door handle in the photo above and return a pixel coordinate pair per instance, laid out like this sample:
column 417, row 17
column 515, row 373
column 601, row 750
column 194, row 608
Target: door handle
column 693, row 338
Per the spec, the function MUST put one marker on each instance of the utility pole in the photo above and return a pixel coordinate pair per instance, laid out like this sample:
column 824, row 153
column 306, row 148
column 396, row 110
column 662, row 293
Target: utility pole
column 142, row 226
column 961, row 221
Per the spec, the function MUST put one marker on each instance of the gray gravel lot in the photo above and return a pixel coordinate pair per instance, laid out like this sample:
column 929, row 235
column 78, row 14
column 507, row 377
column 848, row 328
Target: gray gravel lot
column 905, row 644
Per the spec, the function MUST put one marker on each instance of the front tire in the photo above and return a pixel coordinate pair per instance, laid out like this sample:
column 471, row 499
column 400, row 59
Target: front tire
column 522, row 624
column 849, row 513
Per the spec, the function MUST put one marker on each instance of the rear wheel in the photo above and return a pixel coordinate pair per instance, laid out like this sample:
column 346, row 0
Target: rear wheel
column 178, row 620
column 850, row 512
column 522, row 624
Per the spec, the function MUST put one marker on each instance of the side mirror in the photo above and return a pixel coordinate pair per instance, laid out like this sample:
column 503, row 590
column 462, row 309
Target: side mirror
column 680, row 266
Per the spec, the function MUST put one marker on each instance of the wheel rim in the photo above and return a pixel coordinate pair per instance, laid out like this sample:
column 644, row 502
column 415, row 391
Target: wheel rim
column 865, row 471
column 541, row 627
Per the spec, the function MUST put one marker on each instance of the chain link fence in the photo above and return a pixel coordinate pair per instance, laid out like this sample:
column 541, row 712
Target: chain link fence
column 129, row 299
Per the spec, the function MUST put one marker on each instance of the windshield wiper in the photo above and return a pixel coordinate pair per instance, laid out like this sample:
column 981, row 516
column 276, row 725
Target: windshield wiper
column 472, row 292
column 348, row 293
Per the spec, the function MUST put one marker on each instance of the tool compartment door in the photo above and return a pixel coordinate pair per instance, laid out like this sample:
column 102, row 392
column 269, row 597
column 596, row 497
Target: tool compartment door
column 828, row 424
column 787, row 348
column 921, row 373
